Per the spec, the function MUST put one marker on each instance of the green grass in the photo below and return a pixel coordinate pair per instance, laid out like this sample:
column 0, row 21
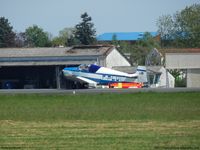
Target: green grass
column 138, row 106
column 102, row 121
column 100, row 135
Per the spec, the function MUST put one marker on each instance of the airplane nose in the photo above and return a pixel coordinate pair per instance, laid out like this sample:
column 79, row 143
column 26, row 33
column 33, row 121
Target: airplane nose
column 67, row 72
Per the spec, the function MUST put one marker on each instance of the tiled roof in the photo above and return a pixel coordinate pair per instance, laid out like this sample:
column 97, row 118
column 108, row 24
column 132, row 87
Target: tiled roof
column 123, row 36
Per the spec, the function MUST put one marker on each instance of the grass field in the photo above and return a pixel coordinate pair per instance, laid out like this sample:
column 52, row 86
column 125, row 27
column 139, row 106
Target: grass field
column 102, row 121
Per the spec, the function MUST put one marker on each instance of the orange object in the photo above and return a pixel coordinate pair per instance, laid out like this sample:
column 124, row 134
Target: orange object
column 126, row 85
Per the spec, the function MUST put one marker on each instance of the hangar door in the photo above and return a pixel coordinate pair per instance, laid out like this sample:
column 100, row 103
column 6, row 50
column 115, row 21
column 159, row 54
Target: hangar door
column 25, row 77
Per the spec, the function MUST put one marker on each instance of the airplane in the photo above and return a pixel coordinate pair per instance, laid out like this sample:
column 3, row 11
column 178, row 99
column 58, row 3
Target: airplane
column 95, row 75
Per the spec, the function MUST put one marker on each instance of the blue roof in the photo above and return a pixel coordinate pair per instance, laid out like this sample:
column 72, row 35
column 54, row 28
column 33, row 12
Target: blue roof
column 123, row 36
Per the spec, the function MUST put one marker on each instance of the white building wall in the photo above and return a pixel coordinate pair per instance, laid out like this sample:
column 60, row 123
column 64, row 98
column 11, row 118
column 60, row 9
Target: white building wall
column 114, row 58
column 189, row 61
column 182, row 60
column 166, row 77
column 193, row 78
column 171, row 80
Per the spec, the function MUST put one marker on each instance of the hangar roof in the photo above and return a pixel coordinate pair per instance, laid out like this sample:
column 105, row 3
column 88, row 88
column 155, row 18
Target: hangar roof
column 46, row 52
column 52, row 56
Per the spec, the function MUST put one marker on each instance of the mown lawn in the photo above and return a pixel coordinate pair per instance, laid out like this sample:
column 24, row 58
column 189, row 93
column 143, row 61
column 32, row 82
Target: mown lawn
column 102, row 121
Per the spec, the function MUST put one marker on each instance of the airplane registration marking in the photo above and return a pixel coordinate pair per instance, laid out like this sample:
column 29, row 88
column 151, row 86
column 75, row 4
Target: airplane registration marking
column 111, row 78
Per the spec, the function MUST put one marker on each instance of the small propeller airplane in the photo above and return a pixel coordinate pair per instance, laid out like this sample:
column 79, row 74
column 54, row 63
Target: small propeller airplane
column 95, row 75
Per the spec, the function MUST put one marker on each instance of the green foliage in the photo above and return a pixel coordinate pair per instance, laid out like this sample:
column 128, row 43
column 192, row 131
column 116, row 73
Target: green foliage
column 20, row 39
column 64, row 36
column 114, row 40
column 36, row 37
column 182, row 29
column 7, row 36
column 165, row 25
column 180, row 82
column 73, row 41
column 188, row 20
column 140, row 49
column 84, row 31
column 180, row 79
column 57, row 41
column 148, row 41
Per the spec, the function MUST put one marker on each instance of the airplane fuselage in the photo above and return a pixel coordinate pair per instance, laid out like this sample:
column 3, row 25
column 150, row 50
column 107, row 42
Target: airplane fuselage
column 98, row 77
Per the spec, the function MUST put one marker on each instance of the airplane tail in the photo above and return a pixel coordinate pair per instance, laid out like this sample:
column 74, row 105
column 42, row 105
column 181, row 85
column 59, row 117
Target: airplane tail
column 142, row 74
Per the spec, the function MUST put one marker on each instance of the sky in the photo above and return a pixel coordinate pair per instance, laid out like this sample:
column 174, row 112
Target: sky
column 107, row 15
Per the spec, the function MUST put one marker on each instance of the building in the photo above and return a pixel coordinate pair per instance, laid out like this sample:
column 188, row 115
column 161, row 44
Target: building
column 42, row 67
column 124, row 36
column 157, row 76
column 154, row 58
column 188, row 59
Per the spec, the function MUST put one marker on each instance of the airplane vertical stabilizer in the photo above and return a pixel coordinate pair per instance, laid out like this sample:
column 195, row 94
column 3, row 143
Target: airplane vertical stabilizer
column 142, row 74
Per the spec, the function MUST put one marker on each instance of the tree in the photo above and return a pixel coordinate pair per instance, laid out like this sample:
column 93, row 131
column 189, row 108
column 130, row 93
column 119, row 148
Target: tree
column 63, row 38
column 154, row 58
column 148, row 41
column 140, row 49
column 188, row 26
column 7, row 36
column 57, row 41
column 84, row 31
column 114, row 40
column 73, row 41
column 180, row 77
column 36, row 37
column 20, row 39
column 165, row 25
column 181, row 30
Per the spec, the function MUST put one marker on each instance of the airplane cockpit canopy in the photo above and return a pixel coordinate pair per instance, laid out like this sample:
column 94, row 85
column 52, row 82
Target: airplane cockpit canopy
column 93, row 68
column 84, row 68
column 89, row 68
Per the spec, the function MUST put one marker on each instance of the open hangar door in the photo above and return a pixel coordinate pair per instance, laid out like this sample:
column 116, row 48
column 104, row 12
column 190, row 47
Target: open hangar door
column 67, row 83
column 28, row 77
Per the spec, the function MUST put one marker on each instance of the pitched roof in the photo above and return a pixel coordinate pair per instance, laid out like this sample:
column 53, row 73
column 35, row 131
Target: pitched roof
column 123, row 36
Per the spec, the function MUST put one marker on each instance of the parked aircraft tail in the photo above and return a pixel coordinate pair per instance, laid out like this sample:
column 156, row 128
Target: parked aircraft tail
column 142, row 74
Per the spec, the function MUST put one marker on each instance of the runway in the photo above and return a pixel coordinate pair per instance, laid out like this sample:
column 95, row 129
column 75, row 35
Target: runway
column 95, row 91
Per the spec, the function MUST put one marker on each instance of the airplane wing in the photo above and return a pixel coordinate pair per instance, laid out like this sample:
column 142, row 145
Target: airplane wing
column 133, row 75
column 90, row 82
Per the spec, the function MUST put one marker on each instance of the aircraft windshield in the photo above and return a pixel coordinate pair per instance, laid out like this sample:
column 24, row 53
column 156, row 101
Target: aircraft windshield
column 84, row 67
column 89, row 68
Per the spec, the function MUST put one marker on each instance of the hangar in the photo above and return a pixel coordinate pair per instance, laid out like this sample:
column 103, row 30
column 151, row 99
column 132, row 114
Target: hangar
column 156, row 75
column 42, row 67
column 188, row 59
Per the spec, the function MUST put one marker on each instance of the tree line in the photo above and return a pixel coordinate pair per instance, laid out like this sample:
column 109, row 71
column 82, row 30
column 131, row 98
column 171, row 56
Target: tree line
column 34, row 36
column 180, row 30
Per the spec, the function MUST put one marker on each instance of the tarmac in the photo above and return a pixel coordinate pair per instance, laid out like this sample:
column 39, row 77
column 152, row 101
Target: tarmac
column 95, row 91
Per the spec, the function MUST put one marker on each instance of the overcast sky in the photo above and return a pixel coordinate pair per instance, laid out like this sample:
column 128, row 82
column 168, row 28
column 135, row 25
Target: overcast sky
column 107, row 15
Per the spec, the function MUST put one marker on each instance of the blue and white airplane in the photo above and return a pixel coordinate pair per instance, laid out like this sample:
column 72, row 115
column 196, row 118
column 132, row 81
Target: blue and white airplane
column 96, row 75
